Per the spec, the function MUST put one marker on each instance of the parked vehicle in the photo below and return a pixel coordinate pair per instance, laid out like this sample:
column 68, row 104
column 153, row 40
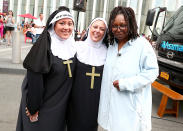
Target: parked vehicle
column 169, row 46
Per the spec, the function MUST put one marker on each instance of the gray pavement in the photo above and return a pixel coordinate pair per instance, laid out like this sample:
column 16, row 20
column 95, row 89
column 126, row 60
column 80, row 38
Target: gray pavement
column 10, row 94
column 11, row 77
column 6, row 64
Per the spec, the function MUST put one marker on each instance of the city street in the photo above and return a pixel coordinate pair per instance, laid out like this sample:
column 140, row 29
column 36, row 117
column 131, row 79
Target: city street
column 11, row 77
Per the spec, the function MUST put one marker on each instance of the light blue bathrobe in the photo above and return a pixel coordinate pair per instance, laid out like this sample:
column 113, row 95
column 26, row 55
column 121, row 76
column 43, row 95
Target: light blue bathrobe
column 130, row 108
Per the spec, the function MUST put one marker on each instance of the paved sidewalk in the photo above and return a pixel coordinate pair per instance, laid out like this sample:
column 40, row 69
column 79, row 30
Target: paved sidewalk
column 6, row 64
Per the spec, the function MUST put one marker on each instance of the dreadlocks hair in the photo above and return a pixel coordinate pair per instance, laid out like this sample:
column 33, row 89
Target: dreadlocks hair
column 129, row 16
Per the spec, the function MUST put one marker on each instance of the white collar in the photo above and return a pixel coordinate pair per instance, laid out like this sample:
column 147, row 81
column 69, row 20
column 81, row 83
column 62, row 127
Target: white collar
column 91, row 55
column 90, row 52
column 63, row 49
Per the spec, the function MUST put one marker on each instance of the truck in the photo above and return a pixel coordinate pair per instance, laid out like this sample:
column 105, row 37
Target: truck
column 168, row 45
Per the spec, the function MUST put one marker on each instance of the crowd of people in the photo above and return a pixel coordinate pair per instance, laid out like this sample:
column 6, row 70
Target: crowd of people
column 34, row 28
column 31, row 29
column 101, row 78
column 7, row 26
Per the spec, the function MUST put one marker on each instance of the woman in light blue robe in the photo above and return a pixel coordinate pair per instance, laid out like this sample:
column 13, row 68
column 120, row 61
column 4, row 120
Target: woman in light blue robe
column 130, row 68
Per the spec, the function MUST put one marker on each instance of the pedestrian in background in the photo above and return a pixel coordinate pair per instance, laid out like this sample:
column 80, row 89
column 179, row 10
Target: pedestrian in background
column 10, row 21
column 39, row 25
column 22, row 23
column 30, row 32
column 130, row 68
column 1, row 28
column 4, row 31
column 83, row 34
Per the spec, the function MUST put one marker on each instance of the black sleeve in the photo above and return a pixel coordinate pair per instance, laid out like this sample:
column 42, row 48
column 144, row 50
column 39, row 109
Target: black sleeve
column 35, row 91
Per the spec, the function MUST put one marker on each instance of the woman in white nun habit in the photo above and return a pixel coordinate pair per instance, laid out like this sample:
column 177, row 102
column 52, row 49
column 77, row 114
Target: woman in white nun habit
column 47, row 85
column 85, row 94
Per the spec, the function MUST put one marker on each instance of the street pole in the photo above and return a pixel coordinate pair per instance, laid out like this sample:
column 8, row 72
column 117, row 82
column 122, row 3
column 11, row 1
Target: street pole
column 77, row 20
column 36, row 4
column 19, row 11
column 139, row 12
column 94, row 9
column 16, row 47
column 76, row 32
column 105, row 9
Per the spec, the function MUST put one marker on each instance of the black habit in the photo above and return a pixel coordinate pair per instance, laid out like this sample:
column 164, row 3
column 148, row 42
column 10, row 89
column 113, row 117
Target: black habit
column 84, row 101
column 46, row 87
column 52, row 106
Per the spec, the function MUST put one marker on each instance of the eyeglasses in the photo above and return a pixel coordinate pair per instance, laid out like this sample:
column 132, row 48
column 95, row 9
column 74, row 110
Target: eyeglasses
column 121, row 27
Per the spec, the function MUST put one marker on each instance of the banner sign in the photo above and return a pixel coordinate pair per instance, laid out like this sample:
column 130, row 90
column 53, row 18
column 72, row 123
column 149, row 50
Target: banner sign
column 174, row 47
column 5, row 6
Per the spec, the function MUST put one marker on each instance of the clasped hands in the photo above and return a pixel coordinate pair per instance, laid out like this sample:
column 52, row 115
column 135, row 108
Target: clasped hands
column 32, row 118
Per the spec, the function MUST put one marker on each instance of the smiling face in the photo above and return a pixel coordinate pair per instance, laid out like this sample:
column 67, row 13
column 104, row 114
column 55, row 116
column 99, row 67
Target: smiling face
column 97, row 30
column 119, row 28
column 64, row 27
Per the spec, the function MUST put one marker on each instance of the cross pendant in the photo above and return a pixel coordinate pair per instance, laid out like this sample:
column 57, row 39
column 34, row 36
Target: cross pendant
column 68, row 62
column 93, row 74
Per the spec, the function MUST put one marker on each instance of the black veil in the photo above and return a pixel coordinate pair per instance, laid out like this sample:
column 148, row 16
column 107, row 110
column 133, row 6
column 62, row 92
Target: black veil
column 39, row 59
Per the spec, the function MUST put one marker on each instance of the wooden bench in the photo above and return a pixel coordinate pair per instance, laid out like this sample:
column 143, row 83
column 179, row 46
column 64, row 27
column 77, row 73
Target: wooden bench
column 167, row 93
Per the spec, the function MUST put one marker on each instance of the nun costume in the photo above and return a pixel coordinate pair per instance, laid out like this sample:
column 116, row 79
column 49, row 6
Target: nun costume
column 50, row 66
column 85, row 94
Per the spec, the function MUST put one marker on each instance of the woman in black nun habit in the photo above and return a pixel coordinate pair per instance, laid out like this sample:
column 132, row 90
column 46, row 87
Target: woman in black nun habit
column 85, row 94
column 50, row 65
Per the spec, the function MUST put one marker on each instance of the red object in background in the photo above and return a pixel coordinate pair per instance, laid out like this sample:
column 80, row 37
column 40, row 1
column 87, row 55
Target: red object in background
column 27, row 16
column 1, row 13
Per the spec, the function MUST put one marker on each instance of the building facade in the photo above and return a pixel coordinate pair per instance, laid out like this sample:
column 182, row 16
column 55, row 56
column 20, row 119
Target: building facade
column 94, row 8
